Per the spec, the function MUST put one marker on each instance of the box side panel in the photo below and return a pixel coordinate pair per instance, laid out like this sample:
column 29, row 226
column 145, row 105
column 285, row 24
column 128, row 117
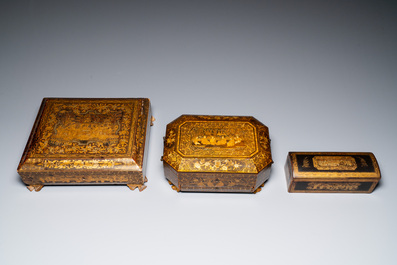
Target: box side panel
column 217, row 182
column 263, row 176
column 81, row 178
column 288, row 172
column 333, row 186
column 171, row 174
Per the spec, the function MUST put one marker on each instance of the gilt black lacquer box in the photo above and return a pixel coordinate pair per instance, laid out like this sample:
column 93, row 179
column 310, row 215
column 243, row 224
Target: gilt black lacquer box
column 88, row 141
column 339, row 172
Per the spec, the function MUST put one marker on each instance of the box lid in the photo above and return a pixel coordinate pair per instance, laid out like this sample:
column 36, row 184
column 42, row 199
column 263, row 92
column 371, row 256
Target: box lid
column 87, row 134
column 229, row 144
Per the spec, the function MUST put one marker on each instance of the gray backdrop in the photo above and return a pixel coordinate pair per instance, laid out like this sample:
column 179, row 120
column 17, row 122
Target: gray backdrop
column 321, row 75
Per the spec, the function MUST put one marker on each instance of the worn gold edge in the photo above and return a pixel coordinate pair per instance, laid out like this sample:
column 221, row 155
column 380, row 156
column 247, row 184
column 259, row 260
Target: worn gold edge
column 143, row 109
column 327, row 191
column 219, row 172
column 337, row 175
column 336, row 179
column 145, row 148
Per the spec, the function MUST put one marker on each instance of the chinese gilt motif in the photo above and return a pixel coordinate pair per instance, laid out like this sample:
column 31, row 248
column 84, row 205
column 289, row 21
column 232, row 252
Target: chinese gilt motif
column 217, row 153
column 87, row 141
column 331, row 172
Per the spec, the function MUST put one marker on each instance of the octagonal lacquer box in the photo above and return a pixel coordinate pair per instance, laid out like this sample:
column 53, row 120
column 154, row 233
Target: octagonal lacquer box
column 217, row 154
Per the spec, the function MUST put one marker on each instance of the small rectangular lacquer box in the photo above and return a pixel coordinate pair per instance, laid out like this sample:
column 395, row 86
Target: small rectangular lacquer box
column 331, row 172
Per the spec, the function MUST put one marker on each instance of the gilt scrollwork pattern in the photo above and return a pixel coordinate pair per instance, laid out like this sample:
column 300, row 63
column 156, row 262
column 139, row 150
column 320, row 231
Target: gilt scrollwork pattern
column 210, row 182
column 173, row 159
column 80, row 164
column 217, row 165
column 263, row 136
column 335, row 186
column 170, row 139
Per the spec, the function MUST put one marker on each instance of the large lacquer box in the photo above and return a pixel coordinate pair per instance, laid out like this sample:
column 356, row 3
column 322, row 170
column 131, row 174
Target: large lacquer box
column 217, row 154
column 88, row 141
column 339, row 172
